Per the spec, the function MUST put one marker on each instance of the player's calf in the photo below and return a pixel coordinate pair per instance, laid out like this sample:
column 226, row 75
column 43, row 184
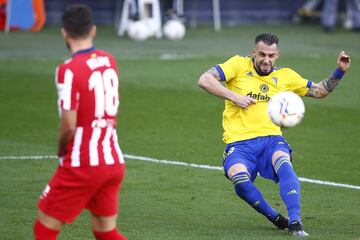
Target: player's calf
column 110, row 235
column 41, row 232
column 289, row 187
column 247, row 191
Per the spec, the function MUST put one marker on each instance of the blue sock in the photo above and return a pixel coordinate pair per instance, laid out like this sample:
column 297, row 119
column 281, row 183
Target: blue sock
column 289, row 187
column 246, row 190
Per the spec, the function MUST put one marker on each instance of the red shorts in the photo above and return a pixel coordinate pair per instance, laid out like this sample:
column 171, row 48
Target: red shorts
column 72, row 189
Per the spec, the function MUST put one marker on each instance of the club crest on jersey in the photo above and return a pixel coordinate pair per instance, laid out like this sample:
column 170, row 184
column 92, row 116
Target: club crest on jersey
column 275, row 80
column 264, row 88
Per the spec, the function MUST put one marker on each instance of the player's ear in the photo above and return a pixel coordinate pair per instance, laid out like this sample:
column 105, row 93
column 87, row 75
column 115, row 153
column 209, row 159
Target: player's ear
column 64, row 33
column 93, row 31
column 253, row 52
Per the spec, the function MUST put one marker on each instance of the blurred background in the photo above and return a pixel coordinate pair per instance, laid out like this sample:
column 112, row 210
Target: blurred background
column 24, row 14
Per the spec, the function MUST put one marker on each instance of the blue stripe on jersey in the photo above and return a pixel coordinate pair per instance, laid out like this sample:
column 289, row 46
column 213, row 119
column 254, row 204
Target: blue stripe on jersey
column 309, row 84
column 222, row 75
column 84, row 51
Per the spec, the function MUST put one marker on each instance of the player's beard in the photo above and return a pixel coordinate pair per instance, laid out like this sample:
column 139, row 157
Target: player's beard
column 257, row 66
column 67, row 45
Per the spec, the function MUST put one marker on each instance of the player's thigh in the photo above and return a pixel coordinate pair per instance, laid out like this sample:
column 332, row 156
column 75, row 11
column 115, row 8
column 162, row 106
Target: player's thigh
column 236, row 168
column 275, row 146
column 237, row 159
column 49, row 221
column 65, row 196
column 104, row 201
column 277, row 154
column 278, row 147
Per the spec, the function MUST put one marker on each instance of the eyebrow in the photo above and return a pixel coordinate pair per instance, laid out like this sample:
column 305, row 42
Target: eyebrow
column 266, row 53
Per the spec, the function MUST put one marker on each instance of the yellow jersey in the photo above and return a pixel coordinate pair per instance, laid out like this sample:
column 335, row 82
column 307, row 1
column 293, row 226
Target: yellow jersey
column 242, row 78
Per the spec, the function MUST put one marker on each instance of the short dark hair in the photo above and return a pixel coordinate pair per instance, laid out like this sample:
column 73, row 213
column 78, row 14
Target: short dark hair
column 267, row 38
column 77, row 21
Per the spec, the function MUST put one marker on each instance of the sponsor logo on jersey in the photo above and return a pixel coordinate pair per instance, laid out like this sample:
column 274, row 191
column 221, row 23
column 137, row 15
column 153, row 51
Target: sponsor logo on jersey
column 102, row 123
column 258, row 96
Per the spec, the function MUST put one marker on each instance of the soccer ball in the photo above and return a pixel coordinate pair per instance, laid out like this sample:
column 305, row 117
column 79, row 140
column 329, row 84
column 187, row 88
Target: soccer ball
column 286, row 109
column 174, row 30
column 139, row 30
column 152, row 26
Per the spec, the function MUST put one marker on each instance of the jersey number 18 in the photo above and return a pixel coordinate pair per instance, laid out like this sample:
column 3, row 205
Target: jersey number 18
column 105, row 86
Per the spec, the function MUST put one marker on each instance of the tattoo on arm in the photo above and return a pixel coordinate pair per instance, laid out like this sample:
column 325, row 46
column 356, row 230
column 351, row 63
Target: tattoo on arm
column 314, row 91
column 214, row 72
column 323, row 88
column 330, row 83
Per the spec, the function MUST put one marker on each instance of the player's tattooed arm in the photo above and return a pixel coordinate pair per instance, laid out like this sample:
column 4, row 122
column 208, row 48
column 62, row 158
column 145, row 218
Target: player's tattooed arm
column 328, row 85
column 211, row 82
column 215, row 73
column 322, row 89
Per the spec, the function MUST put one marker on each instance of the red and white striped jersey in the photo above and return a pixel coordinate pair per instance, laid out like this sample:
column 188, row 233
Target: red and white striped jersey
column 88, row 83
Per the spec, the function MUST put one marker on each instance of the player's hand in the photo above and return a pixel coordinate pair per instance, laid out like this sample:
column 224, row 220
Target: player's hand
column 61, row 153
column 343, row 61
column 243, row 101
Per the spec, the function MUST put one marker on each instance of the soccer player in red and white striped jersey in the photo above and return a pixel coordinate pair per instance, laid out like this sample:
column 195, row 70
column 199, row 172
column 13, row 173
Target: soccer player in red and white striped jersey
column 91, row 165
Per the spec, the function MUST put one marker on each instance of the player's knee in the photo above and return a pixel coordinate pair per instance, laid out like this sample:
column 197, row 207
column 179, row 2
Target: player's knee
column 283, row 168
column 49, row 221
column 241, row 181
column 103, row 224
column 279, row 154
column 236, row 169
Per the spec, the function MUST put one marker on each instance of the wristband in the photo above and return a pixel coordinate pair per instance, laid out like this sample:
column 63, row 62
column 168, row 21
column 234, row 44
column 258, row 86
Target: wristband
column 338, row 74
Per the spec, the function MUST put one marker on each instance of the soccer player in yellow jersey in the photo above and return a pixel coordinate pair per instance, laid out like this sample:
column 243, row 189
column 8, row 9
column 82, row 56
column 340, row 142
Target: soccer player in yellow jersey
column 254, row 143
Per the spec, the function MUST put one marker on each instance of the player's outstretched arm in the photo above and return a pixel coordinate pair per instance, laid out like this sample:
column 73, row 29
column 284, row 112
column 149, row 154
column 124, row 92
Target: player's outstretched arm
column 210, row 81
column 326, row 86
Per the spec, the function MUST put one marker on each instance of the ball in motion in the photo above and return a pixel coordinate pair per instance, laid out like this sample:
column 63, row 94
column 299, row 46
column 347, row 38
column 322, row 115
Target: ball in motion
column 286, row 109
column 174, row 30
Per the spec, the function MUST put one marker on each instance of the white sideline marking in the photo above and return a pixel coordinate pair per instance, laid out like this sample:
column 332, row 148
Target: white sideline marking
column 193, row 165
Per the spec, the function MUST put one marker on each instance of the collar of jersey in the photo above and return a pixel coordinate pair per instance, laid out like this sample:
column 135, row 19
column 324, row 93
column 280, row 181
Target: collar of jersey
column 87, row 50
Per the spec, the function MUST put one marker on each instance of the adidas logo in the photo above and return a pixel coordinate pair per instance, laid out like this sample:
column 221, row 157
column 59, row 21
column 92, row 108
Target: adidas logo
column 292, row 192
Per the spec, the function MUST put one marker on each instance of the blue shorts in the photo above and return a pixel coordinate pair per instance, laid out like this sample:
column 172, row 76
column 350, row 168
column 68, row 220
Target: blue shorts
column 256, row 154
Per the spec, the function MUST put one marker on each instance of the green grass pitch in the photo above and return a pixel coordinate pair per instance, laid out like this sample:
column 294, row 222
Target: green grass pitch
column 164, row 115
